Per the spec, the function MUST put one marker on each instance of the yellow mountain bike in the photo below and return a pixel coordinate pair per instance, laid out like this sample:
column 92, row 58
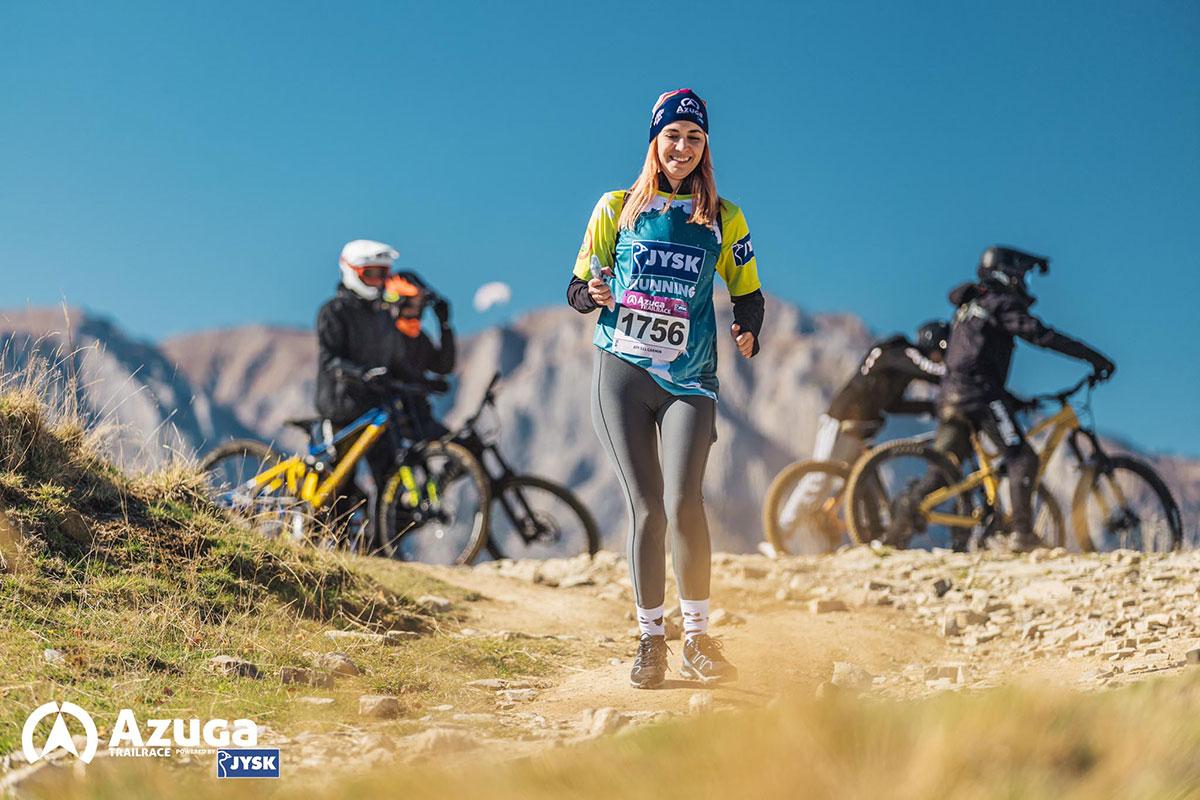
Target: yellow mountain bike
column 433, row 505
column 1119, row 502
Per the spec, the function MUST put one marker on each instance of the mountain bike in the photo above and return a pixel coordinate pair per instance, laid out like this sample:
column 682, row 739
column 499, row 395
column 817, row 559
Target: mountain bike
column 1119, row 501
column 803, row 508
column 531, row 517
column 433, row 505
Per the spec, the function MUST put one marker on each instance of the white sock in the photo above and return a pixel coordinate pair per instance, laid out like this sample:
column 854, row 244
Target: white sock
column 695, row 617
column 650, row 620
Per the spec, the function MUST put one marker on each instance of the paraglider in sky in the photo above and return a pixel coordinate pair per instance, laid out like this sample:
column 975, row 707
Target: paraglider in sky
column 495, row 293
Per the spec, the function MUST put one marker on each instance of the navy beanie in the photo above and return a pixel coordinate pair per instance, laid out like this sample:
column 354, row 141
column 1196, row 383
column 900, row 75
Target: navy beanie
column 681, row 104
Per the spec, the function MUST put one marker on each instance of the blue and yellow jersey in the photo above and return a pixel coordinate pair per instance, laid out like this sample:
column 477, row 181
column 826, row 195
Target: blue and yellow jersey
column 662, row 280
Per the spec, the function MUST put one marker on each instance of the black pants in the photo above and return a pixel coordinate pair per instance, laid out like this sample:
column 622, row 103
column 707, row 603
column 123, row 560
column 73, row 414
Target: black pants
column 995, row 421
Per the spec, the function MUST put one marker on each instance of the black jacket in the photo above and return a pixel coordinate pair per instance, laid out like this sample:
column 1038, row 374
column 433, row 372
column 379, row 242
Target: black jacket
column 355, row 335
column 878, row 384
column 981, row 343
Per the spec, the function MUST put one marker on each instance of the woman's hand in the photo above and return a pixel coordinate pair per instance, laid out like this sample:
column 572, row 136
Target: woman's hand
column 744, row 341
column 600, row 293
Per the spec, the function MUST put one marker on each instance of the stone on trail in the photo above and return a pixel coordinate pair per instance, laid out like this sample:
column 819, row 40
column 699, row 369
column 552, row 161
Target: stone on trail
column 851, row 676
column 379, row 706
column 949, row 626
column 292, row 675
column 939, row 587
column 826, row 606
column 673, row 629
column 1193, row 657
column 339, row 663
column 397, row 637
column 700, row 703
column 516, row 695
column 228, row 665
column 605, row 721
column 434, row 603
column 315, row 701
column 52, row 656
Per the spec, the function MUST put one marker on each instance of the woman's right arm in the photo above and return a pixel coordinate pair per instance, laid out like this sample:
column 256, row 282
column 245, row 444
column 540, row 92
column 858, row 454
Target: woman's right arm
column 587, row 291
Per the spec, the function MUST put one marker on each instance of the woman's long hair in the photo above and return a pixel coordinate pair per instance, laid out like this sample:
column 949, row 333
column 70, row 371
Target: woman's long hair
column 701, row 185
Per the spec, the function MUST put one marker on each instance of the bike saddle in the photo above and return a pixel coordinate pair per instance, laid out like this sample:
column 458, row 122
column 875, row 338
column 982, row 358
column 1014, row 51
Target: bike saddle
column 303, row 423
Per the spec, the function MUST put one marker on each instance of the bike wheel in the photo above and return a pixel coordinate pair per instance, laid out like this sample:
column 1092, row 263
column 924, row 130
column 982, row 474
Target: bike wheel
column 434, row 507
column 536, row 518
column 813, row 524
column 885, row 484
column 1124, row 504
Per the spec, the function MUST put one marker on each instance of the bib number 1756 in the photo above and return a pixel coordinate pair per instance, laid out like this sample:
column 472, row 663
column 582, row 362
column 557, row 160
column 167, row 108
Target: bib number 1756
column 653, row 328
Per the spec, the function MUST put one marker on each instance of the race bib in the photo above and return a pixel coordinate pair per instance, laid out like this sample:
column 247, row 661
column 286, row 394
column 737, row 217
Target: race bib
column 651, row 327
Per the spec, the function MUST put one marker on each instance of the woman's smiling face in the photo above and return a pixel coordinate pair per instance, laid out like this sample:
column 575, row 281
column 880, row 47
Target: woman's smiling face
column 680, row 147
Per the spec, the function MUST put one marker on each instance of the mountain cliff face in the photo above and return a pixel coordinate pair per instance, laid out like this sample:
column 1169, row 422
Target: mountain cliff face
column 193, row 391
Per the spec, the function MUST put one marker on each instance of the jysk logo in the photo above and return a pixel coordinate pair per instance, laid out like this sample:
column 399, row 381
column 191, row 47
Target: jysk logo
column 743, row 251
column 667, row 260
column 248, row 763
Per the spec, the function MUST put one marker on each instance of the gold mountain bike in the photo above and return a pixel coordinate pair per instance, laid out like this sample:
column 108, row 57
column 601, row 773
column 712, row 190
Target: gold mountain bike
column 1119, row 501
column 433, row 505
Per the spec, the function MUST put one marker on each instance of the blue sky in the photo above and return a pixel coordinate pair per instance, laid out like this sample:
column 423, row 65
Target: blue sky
column 181, row 166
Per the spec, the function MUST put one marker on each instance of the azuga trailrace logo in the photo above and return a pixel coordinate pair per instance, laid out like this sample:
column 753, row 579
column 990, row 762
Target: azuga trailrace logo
column 234, row 742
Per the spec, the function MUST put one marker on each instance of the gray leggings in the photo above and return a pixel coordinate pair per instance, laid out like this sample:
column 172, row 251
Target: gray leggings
column 631, row 413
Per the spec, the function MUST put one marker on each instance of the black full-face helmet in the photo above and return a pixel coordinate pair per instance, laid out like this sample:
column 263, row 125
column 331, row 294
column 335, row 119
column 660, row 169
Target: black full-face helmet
column 1009, row 267
column 933, row 337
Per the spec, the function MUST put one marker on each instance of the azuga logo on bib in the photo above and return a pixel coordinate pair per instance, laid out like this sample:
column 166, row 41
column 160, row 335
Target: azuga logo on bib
column 667, row 260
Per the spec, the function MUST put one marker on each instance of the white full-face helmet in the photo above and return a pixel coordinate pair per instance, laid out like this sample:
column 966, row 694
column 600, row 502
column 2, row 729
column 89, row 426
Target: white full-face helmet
column 365, row 265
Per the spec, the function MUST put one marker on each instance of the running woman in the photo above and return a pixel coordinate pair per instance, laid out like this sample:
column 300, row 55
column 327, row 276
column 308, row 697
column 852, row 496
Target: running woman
column 647, row 262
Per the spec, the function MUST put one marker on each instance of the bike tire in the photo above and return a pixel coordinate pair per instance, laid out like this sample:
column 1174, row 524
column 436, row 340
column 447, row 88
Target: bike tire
column 1155, row 490
column 532, row 483
column 1056, row 536
column 782, row 537
column 391, row 511
column 861, row 496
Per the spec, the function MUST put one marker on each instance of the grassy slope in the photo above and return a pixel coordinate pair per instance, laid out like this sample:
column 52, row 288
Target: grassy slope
column 139, row 582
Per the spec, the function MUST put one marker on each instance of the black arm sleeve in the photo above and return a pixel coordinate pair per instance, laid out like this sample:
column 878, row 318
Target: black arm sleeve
column 906, row 406
column 578, row 297
column 748, row 312
column 1021, row 323
column 444, row 354
column 333, row 346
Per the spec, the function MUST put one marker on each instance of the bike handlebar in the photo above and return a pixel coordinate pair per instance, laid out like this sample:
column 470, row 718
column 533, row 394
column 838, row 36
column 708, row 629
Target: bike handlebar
column 1062, row 397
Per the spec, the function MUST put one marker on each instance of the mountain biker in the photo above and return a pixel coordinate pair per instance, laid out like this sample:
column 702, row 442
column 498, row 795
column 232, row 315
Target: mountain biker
column 857, row 411
column 991, row 312
column 364, row 341
column 648, row 262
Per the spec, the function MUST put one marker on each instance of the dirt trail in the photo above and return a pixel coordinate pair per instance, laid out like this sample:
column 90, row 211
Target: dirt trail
column 777, row 648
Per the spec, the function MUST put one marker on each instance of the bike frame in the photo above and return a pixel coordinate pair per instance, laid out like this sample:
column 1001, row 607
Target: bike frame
column 1061, row 425
column 302, row 479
